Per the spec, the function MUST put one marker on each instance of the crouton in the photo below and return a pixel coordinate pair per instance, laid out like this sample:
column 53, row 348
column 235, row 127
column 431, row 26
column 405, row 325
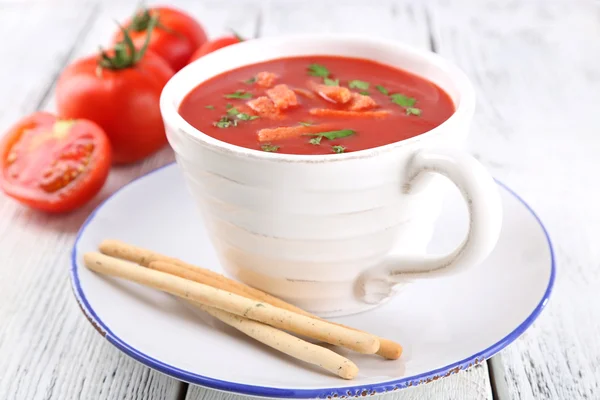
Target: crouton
column 282, row 96
column 265, row 79
column 334, row 94
column 264, row 107
column 286, row 132
column 361, row 102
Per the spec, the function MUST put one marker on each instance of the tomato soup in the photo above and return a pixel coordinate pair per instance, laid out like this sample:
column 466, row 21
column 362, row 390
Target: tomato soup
column 315, row 105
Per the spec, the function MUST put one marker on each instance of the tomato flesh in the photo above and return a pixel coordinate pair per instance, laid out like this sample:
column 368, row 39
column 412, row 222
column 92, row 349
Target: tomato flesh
column 54, row 165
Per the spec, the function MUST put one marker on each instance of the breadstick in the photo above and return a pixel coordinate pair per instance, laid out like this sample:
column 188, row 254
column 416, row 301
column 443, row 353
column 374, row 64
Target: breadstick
column 287, row 343
column 387, row 348
column 283, row 319
column 219, row 281
column 124, row 251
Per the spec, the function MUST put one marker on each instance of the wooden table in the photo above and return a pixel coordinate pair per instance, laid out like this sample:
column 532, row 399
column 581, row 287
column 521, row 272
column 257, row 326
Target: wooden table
column 536, row 68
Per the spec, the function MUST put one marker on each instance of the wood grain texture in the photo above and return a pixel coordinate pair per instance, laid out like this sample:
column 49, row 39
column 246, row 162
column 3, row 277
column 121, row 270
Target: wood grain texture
column 536, row 67
column 48, row 350
column 404, row 21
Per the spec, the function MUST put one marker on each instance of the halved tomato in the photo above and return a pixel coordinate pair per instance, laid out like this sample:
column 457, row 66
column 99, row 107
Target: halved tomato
column 52, row 164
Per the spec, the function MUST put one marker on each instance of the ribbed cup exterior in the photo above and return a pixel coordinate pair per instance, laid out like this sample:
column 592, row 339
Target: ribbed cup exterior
column 305, row 231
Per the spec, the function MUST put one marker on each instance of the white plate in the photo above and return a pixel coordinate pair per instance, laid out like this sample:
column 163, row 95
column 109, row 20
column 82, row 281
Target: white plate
column 444, row 325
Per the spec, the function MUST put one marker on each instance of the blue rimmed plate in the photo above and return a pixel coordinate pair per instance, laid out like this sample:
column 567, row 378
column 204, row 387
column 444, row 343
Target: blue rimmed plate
column 444, row 325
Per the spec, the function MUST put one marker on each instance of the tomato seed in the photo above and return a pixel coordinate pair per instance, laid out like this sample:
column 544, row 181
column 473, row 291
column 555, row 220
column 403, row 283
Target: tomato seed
column 66, row 168
column 12, row 156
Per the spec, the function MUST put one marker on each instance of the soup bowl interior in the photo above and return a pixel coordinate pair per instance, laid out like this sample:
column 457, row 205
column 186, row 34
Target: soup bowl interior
column 422, row 63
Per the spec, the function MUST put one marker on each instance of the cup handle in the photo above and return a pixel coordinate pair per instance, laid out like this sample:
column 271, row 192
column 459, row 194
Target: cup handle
column 481, row 194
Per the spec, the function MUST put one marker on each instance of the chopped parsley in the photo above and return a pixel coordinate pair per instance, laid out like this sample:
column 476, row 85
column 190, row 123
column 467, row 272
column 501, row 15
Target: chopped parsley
column 356, row 84
column 333, row 134
column 306, row 123
column 237, row 36
column 337, row 134
column 225, row 122
column 403, row 100
column 382, row 89
column 318, row 70
column 232, row 111
column 232, row 117
column 269, row 147
column 228, row 105
column 316, row 140
column 413, row 111
column 247, row 117
column 210, row 107
column 331, row 82
column 239, row 94
column 250, row 81
column 364, row 92
column 338, row 149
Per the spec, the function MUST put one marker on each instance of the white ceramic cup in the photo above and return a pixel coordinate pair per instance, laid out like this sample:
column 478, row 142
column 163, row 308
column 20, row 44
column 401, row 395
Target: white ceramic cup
column 334, row 234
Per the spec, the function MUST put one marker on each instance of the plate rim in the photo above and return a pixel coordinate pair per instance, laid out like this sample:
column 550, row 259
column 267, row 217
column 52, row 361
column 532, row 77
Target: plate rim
column 266, row 391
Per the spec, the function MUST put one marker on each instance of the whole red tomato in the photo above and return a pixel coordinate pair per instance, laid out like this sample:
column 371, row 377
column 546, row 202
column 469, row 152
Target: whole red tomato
column 120, row 91
column 52, row 164
column 176, row 36
column 215, row 44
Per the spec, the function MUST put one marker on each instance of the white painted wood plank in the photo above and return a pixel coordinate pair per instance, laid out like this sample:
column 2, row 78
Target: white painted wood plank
column 536, row 67
column 464, row 385
column 405, row 21
column 47, row 348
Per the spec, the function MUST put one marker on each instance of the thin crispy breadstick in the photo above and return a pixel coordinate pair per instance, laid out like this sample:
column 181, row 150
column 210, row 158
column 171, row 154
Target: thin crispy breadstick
column 387, row 349
column 259, row 311
column 125, row 251
column 221, row 282
column 287, row 343
column 327, row 112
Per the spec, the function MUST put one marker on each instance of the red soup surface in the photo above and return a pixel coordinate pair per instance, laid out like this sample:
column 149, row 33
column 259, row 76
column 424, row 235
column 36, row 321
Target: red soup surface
column 315, row 105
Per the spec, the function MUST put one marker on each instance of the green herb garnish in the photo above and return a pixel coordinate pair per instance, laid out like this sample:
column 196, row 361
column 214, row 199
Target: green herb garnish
column 356, row 84
column 247, row 117
column 269, row 147
column 382, row 89
column 403, row 100
column 239, row 94
column 228, row 105
column 338, row 149
column 240, row 115
column 316, row 140
column 331, row 82
column 210, row 107
column 318, row 70
column 413, row 111
column 334, row 134
column 306, row 123
column 364, row 92
column 250, row 81
column 225, row 122
column 237, row 35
